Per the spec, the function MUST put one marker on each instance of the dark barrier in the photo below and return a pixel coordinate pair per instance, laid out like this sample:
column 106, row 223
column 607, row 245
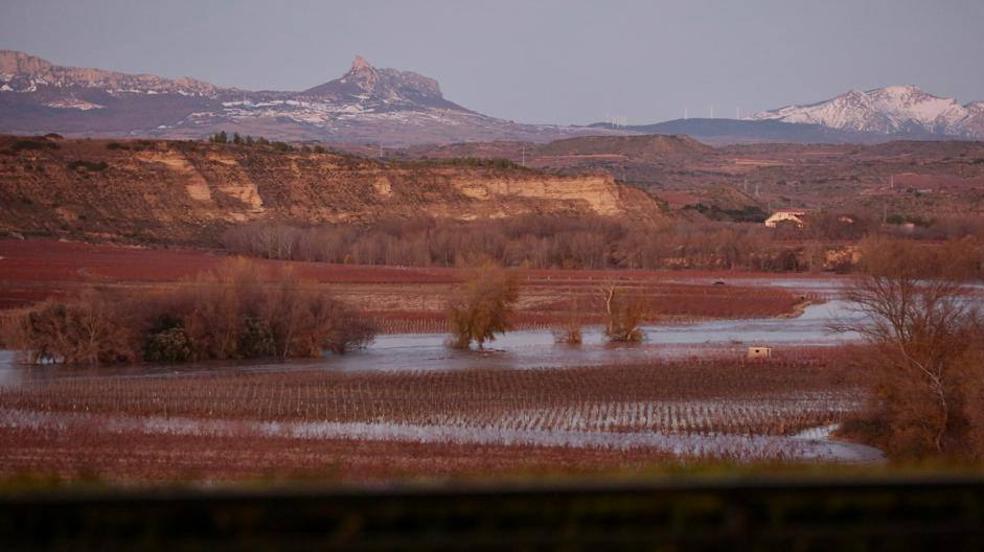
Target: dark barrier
column 899, row 514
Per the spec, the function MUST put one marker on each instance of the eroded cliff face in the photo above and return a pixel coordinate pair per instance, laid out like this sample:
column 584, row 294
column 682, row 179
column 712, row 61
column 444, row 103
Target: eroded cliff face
column 190, row 191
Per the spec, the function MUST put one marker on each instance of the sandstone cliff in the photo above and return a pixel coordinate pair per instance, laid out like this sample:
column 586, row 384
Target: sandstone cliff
column 189, row 191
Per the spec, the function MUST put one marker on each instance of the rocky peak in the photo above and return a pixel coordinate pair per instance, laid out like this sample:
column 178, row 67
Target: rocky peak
column 381, row 89
column 19, row 63
column 362, row 74
column 360, row 64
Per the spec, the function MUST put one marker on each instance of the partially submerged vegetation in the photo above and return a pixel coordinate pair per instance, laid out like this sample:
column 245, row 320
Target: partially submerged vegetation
column 926, row 358
column 236, row 311
column 481, row 308
column 624, row 314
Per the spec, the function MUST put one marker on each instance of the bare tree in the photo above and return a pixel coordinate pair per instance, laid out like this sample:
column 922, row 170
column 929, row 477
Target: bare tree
column 94, row 328
column 480, row 309
column 624, row 315
column 570, row 331
column 921, row 325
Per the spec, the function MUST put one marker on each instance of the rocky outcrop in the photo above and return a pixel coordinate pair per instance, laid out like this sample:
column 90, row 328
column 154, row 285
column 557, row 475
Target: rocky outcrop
column 190, row 191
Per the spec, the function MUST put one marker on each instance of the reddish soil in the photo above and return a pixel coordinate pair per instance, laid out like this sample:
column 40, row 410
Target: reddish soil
column 602, row 396
column 404, row 299
column 135, row 458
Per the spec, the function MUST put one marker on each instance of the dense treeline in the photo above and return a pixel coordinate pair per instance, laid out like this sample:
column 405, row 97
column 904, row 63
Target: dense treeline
column 540, row 241
column 534, row 241
column 234, row 312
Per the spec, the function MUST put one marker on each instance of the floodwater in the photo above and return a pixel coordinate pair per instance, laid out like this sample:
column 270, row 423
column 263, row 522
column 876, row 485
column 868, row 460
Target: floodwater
column 523, row 349
column 811, row 445
column 529, row 349
column 534, row 349
column 519, row 350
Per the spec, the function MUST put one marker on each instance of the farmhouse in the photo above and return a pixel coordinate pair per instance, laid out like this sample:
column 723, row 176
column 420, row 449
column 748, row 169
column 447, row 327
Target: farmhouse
column 792, row 216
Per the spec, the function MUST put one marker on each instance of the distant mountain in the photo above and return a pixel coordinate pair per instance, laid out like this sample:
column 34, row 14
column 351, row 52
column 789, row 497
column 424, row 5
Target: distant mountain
column 367, row 104
column 734, row 131
column 879, row 115
column 893, row 110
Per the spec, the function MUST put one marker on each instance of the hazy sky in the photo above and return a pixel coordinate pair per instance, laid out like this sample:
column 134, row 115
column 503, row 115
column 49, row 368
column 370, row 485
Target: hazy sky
column 533, row 61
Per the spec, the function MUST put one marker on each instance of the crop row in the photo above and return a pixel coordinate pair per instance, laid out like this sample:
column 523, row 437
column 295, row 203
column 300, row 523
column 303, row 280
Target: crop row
column 721, row 396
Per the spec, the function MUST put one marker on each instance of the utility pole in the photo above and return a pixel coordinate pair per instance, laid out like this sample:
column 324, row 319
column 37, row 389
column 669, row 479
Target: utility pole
column 524, row 154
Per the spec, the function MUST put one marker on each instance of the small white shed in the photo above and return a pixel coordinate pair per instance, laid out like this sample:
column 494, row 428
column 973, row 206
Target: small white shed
column 755, row 353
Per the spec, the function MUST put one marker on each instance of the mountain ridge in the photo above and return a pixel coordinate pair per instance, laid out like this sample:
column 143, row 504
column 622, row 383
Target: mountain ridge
column 888, row 110
column 401, row 108
column 366, row 104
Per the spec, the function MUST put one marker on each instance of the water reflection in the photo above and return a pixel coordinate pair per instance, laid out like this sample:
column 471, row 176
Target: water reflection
column 527, row 349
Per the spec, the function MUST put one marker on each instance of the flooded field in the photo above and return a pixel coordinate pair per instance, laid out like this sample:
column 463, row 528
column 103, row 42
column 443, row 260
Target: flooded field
column 685, row 393
column 527, row 349
column 531, row 349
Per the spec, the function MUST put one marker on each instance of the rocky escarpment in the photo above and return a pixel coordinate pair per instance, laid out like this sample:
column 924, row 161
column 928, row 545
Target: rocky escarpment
column 188, row 192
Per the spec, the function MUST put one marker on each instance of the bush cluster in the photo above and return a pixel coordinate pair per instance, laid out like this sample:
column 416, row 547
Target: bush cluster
column 234, row 312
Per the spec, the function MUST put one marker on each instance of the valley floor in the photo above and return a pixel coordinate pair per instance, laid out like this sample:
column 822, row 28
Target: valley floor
column 408, row 299
column 309, row 420
column 410, row 408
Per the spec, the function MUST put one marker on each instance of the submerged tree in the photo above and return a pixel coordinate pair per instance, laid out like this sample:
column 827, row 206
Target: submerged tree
column 624, row 315
column 569, row 333
column 481, row 308
column 238, row 310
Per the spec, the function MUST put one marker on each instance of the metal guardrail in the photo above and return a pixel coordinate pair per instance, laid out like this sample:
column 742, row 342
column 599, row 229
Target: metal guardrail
column 775, row 514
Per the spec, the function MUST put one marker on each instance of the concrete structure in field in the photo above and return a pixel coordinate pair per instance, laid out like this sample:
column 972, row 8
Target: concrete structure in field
column 755, row 353
column 793, row 216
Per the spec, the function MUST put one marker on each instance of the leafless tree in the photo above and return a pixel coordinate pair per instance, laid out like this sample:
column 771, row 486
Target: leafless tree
column 481, row 308
column 570, row 332
column 624, row 314
column 921, row 325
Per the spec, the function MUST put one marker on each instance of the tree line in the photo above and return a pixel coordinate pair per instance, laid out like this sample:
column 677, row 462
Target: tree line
column 544, row 241
column 584, row 241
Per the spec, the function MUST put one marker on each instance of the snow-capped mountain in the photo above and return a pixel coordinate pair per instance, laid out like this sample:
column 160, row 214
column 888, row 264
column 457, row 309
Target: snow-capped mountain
column 904, row 110
column 366, row 104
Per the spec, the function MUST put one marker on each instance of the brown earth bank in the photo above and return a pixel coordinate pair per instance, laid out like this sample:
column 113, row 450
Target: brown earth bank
column 401, row 299
column 911, row 179
column 188, row 192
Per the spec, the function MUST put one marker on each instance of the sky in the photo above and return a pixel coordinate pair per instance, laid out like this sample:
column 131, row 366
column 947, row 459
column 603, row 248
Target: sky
column 547, row 61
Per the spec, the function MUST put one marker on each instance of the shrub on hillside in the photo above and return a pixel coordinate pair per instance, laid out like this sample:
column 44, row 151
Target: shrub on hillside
column 93, row 166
